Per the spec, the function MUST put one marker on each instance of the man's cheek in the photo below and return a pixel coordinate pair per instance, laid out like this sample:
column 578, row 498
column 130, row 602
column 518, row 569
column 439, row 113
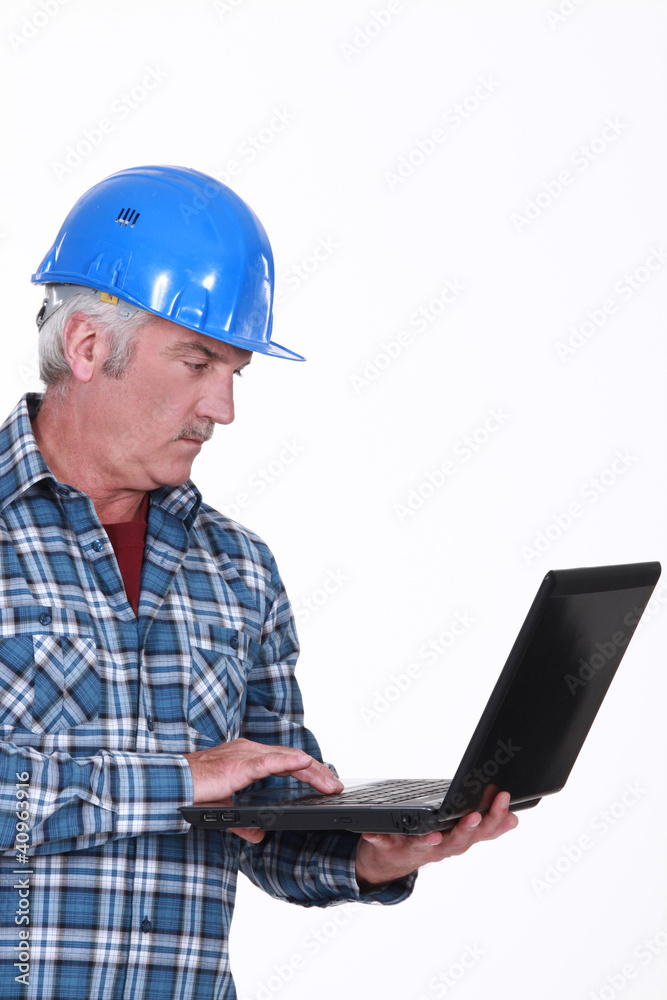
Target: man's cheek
column 162, row 418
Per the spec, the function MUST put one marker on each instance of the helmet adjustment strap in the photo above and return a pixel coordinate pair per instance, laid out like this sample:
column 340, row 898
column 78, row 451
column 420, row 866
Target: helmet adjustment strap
column 57, row 295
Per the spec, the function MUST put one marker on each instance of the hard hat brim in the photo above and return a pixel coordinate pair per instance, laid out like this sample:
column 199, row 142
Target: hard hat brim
column 269, row 348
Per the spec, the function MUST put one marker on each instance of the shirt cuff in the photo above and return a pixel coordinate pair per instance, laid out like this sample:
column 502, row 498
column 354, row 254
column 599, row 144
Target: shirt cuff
column 340, row 878
column 145, row 792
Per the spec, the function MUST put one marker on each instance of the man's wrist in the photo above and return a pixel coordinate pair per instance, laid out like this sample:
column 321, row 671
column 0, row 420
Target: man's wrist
column 370, row 870
column 391, row 890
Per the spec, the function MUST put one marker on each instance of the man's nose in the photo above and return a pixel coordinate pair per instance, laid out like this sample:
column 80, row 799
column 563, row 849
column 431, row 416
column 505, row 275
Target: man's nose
column 218, row 404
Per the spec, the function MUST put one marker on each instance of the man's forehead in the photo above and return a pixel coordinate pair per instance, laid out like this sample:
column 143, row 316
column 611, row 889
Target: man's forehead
column 180, row 339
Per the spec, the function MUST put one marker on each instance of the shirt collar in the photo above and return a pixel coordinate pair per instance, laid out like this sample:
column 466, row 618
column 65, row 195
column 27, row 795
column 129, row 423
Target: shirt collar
column 22, row 465
column 182, row 502
column 21, row 461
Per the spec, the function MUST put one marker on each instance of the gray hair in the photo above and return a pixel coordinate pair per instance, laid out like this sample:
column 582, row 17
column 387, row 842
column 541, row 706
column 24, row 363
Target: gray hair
column 120, row 335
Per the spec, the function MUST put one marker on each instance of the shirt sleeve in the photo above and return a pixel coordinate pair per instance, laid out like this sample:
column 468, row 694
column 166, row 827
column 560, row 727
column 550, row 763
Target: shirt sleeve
column 311, row 869
column 73, row 803
column 315, row 869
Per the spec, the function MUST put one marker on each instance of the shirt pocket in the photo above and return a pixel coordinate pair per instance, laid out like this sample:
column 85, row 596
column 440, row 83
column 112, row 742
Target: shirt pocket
column 221, row 659
column 49, row 674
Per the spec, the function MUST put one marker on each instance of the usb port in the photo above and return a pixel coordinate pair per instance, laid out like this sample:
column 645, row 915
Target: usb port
column 229, row 816
column 210, row 817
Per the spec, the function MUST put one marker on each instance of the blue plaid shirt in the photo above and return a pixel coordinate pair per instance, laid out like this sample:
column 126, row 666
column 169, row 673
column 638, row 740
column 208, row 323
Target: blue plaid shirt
column 106, row 892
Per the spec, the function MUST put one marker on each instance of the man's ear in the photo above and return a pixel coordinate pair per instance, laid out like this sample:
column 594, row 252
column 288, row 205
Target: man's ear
column 83, row 346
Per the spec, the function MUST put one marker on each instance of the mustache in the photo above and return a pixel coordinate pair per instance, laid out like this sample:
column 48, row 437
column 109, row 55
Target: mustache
column 203, row 431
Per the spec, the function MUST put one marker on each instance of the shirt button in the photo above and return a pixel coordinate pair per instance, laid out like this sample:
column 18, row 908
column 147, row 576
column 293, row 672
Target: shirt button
column 150, row 724
column 146, row 925
column 98, row 545
column 45, row 618
column 234, row 641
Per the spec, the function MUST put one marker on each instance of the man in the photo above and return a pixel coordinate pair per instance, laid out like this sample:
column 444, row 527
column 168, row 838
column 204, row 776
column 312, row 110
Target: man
column 147, row 646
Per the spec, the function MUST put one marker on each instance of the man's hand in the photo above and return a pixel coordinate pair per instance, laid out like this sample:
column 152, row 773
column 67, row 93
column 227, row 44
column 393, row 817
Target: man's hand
column 218, row 772
column 383, row 857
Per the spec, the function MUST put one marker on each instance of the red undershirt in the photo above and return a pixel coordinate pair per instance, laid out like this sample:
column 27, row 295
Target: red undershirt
column 127, row 539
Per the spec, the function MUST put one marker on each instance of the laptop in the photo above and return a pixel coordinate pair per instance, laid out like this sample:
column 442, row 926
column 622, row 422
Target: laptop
column 528, row 737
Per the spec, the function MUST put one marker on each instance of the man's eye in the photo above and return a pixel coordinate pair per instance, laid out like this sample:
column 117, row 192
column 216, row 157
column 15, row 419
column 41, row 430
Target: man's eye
column 240, row 374
column 196, row 366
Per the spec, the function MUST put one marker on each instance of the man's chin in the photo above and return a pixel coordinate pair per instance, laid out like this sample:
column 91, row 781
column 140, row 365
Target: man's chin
column 172, row 476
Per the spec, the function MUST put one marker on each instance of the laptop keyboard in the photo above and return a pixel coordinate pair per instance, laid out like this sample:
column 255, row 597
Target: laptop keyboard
column 381, row 792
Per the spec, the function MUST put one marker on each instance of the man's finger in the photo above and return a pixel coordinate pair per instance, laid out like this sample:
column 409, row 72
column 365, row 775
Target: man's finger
column 297, row 764
column 327, row 783
column 250, row 833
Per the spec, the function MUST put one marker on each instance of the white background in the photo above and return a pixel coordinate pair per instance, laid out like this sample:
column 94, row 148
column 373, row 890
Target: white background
column 333, row 101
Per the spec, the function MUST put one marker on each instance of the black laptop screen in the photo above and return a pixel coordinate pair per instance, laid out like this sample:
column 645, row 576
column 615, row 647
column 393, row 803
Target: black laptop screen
column 548, row 694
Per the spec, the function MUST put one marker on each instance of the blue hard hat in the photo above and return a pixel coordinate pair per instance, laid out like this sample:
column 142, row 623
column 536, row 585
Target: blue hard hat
column 177, row 243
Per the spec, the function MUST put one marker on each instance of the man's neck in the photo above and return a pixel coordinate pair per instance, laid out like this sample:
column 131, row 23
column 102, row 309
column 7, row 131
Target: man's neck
column 113, row 510
column 68, row 465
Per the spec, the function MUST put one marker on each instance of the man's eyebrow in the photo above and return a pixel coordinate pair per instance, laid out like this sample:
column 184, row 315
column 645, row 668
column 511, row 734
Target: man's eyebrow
column 194, row 345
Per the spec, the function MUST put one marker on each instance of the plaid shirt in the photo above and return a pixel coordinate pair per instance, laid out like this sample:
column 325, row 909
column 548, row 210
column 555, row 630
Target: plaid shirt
column 124, row 898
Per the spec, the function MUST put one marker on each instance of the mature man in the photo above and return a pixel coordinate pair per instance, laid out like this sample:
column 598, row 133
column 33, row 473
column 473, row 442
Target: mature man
column 147, row 646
